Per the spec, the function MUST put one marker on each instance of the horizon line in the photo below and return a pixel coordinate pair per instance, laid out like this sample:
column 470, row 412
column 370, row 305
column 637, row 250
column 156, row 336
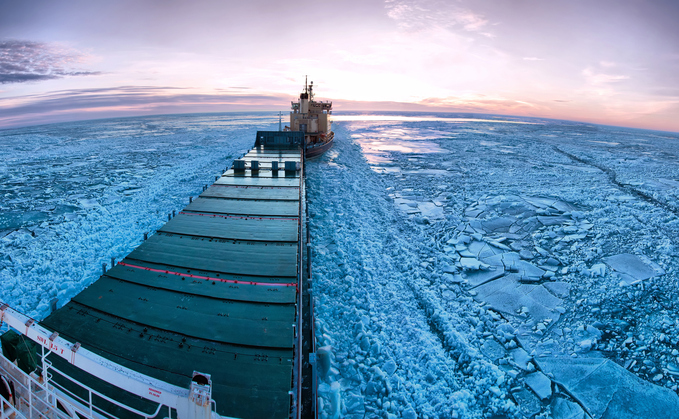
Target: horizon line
column 375, row 111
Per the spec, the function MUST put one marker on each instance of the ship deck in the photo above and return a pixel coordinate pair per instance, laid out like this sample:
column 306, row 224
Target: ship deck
column 214, row 290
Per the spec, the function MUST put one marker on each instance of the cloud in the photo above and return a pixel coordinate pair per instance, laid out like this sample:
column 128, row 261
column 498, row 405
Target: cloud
column 600, row 78
column 423, row 14
column 482, row 103
column 27, row 61
column 473, row 103
column 533, row 59
column 72, row 105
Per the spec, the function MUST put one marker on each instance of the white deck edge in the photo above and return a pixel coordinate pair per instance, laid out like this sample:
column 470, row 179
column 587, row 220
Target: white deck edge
column 122, row 377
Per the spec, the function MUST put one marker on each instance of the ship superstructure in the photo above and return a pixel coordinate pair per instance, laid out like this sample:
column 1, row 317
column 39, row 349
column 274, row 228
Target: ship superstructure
column 313, row 119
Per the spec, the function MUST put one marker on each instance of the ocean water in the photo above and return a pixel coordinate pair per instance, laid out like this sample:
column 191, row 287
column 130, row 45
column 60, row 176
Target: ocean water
column 464, row 265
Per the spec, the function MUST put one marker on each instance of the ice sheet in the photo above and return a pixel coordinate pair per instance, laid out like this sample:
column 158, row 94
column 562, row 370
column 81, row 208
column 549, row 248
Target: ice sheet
column 408, row 336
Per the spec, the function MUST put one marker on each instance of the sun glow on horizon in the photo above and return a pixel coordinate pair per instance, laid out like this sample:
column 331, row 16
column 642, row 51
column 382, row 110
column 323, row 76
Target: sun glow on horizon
column 400, row 118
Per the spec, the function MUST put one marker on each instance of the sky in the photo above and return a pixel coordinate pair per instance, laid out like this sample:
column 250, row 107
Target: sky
column 613, row 62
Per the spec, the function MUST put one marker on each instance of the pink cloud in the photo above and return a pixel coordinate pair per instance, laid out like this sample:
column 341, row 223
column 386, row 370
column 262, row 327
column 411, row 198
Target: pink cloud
column 597, row 78
column 423, row 14
column 72, row 105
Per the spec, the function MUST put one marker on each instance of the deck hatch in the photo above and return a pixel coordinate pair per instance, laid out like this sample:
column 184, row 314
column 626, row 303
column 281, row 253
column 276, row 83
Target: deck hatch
column 214, row 290
column 220, row 255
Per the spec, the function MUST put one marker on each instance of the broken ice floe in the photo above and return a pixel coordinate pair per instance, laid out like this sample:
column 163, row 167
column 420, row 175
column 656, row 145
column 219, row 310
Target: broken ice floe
column 492, row 349
column 482, row 249
column 88, row 203
column 564, row 409
column 521, row 358
column 586, row 337
column 632, row 268
column 540, row 384
column 608, row 390
column 509, row 296
column 516, row 217
column 511, row 262
column 549, row 203
column 408, row 203
column 430, row 210
column 522, row 282
column 472, row 264
column 529, row 403
column 560, row 289
column 479, row 277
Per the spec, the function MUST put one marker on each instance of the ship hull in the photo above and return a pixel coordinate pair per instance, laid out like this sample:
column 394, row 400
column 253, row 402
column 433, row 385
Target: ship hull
column 318, row 149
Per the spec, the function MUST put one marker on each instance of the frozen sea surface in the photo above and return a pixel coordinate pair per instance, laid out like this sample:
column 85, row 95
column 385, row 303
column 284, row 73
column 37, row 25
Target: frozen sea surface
column 465, row 266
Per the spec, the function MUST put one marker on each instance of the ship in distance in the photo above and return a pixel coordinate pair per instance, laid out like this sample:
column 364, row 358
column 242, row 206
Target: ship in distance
column 313, row 119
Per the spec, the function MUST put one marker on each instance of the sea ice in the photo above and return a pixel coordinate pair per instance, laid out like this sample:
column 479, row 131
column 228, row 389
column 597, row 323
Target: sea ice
column 540, row 384
column 512, row 262
column 598, row 269
column 510, row 296
column 498, row 225
column 631, row 266
column 472, row 264
column 565, row 409
column 378, row 300
column 482, row 249
column 553, row 220
column 430, row 210
column 521, row 358
column 492, row 349
column 560, row 289
column 609, row 391
column 324, row 360
column 530, row 405
column 480, row 277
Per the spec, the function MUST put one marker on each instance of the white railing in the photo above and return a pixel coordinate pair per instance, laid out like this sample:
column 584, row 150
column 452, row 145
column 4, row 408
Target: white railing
column 42, row 394
column 34, row 398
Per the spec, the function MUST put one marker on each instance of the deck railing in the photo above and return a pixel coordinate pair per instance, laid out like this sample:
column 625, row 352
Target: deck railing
column 40, row 396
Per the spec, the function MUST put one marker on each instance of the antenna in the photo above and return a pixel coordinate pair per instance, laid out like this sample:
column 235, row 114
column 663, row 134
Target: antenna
column 306, row 86
column 280, row 116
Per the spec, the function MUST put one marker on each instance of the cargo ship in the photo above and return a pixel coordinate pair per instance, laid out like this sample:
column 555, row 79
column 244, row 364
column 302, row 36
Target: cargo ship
column 312, row 118
column 210, row 317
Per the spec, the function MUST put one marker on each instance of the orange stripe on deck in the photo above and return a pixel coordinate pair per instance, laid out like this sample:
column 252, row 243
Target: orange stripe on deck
column 255, row 187
column 239, row 217
column 209, row 278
